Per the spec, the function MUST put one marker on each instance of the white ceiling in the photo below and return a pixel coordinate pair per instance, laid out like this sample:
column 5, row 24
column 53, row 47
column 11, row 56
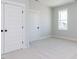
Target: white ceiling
column 53, row 3
column 48, row 2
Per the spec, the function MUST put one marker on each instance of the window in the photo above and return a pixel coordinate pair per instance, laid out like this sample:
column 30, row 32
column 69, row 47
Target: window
column 62, row 20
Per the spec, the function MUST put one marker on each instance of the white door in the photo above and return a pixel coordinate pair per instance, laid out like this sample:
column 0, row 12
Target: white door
column 2, row 29
column 13, row 27
column 35, row 27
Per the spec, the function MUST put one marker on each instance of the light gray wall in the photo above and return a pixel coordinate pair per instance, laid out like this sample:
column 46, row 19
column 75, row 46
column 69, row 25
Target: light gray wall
column 45, row 22
column 44, row 19
column 72, row 21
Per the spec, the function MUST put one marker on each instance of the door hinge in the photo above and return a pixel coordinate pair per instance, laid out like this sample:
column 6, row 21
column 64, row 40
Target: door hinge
column 22, row 11
column 22, row 42
column 22, row 27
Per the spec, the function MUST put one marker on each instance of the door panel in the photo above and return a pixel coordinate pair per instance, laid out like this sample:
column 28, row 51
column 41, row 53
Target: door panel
column 2, row 28
column 13, row 25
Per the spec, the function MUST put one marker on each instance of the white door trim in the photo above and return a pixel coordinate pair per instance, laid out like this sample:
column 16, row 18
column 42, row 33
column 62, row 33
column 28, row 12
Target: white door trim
column 13, row 3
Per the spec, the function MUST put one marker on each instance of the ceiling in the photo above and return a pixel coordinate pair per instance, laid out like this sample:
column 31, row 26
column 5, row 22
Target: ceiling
column 51, row 3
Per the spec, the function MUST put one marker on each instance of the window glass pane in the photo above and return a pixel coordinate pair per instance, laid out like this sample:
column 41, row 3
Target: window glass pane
column 63, row 15
column 62, row 25
column 62, row 21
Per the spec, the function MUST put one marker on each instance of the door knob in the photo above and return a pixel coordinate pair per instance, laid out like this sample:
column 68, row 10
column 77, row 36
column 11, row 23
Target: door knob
column 1, row 30
column 5, row 30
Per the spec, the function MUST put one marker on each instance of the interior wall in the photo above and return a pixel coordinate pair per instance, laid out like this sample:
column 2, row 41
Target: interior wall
column 45, row 17
column 45, row 22
column 72, row 22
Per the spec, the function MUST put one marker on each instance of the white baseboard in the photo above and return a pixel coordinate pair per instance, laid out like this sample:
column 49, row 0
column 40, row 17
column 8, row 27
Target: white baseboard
column 41, row 38
column 58, row 37
column 64, row 37
column 45, row 37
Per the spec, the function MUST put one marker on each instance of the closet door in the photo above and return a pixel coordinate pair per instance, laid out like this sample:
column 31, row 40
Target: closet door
column 13, row 27
column 2, row 29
